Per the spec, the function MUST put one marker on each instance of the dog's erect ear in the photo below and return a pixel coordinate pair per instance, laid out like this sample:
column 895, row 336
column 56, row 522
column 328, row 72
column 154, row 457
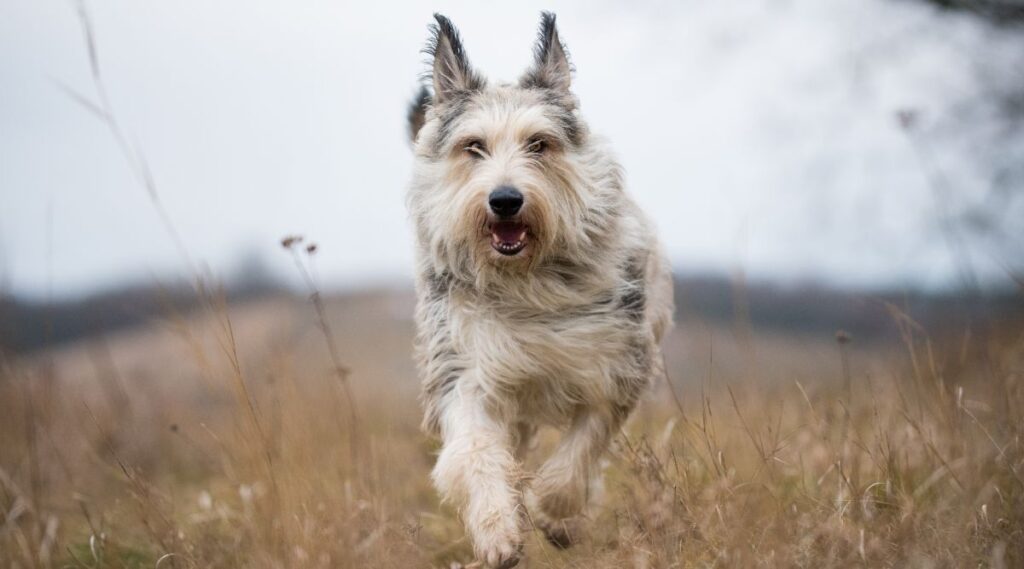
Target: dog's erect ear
column 551, row 68
column 417, row 114
column 451, row 72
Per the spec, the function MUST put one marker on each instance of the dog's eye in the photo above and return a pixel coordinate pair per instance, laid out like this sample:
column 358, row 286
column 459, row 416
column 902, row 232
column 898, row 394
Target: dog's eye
column 537, row 146
column 475, row 148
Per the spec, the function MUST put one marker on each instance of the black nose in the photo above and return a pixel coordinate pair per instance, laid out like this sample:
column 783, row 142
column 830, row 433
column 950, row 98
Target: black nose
column 505, row 200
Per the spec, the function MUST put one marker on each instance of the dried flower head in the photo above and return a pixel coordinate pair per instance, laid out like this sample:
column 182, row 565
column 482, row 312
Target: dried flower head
column 289, row 240
column 907, row 118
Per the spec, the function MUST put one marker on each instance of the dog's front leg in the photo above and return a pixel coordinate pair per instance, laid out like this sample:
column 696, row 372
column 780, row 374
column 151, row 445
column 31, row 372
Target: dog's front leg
column 563, row 484
column 476, row 470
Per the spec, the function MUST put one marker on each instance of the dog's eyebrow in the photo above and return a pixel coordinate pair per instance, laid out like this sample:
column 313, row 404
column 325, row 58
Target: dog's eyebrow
column 548, row 135
column 556, row 135
column 470, row 139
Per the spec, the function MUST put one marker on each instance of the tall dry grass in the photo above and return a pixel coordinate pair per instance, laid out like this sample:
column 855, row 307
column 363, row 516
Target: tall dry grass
column 244, row 456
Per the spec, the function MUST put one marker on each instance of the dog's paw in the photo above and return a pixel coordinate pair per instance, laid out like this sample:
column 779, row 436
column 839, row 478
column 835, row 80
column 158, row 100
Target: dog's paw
column 498, row 542
column 557, row 511
column 503, row 554
column 562, row 534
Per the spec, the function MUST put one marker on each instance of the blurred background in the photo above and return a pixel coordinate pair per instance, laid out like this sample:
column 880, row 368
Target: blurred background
column 858, row 145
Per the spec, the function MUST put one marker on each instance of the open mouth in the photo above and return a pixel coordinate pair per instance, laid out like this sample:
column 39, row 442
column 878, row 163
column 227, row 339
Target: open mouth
column 508, row 237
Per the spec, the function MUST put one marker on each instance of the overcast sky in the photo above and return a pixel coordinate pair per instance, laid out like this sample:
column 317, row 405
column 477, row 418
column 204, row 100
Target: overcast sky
column 760, row 135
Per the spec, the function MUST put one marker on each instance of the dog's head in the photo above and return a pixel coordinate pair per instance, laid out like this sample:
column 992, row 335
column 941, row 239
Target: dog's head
column 503, row 174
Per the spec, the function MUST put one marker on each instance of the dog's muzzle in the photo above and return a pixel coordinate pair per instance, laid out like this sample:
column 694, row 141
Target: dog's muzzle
column 508, row 234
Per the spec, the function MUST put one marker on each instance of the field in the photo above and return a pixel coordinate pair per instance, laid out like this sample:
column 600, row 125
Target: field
column 250, row 434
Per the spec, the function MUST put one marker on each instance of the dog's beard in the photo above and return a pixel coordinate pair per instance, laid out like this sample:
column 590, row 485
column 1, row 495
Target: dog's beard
column 482, row 245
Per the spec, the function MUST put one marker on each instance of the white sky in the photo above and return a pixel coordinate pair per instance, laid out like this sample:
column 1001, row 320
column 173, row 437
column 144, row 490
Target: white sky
column 758, row 134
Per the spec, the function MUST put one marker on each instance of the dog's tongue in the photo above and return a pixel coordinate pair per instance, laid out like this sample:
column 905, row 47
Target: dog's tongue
column 508, row 231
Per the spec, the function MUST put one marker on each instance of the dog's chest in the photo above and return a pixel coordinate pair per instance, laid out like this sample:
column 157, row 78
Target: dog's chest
column 548, row 362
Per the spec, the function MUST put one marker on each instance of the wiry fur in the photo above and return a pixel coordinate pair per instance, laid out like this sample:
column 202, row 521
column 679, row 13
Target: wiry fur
column 417, row 114
column 565, row 333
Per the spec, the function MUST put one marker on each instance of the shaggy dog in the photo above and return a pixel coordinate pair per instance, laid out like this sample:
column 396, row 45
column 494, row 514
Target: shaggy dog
column 542, row 292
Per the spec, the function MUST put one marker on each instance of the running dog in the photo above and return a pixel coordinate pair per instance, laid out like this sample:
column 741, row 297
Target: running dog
column 542, row 291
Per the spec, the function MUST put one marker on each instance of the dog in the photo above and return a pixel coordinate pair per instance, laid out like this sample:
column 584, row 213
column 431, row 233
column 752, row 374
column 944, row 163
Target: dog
column 542, row 292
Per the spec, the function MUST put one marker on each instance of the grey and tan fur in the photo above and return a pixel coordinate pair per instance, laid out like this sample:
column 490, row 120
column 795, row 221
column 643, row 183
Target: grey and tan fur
column 550, row 313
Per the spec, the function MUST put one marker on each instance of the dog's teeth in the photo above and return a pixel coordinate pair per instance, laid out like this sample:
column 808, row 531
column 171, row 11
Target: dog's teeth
column 522, row 236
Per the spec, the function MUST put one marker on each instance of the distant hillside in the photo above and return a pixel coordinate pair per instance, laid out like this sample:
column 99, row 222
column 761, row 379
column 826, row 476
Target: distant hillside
column 821, row 310
column 29, row 326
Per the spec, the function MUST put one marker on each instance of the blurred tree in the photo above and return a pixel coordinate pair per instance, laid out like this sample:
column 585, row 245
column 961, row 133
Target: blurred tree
column 998, row 11
column 986, row 213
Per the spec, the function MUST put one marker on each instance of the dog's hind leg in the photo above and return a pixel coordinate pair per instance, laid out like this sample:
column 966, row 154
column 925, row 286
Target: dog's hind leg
column 476, row 470
column 563, row 485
